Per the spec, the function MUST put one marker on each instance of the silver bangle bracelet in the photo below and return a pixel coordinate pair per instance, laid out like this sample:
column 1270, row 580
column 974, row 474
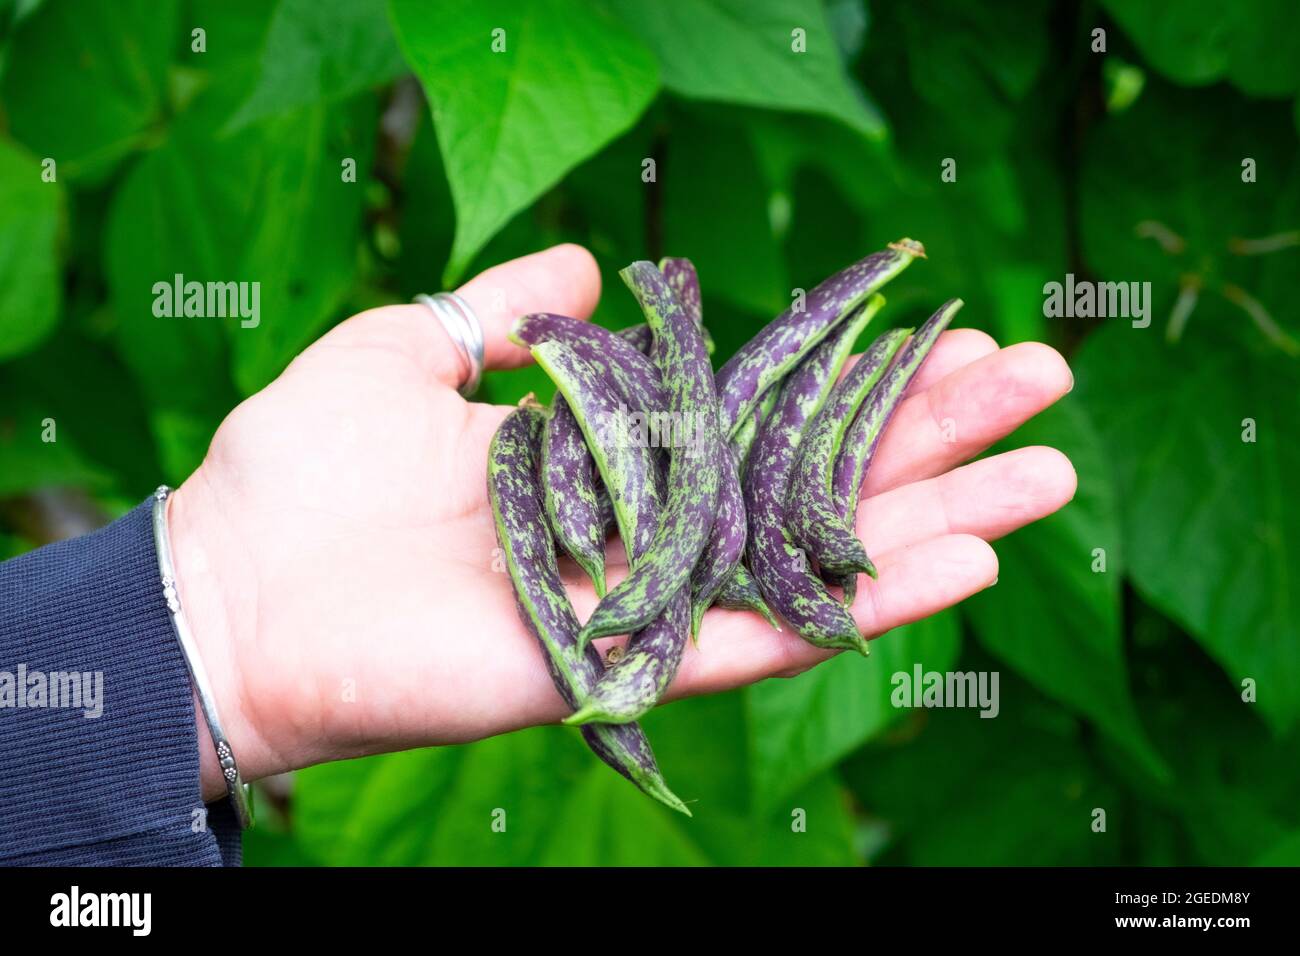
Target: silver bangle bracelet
column 240, row 795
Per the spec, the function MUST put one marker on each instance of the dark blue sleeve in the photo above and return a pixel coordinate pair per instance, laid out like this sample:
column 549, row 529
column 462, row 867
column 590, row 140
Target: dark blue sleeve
column 99, row 759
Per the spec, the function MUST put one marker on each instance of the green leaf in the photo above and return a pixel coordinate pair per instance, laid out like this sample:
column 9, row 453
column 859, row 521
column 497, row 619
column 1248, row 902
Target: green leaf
column 12, row 547
column 302, row 242
column 428, row 220
column 30, row 214
column 954, row 789
column 1209, row 530
column 437, row 806
column 104, row 418
column 36, row 449
column 802, row 726
column 510, row 124
column 1286, row 852
column 604, row 822
column 85, row 82
column 745, row 52
column 956, row 73
column 321, row 51
column 716, row 214
column 1253, row 43
column 1227, row 810
column 561, row 806
column 265, row 206
column 1053, row 616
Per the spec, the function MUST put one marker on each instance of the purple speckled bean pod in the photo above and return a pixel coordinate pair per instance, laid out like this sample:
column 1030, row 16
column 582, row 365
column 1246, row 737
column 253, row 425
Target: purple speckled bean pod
column 743, row 437
column 642, row 339
column 682, row 278
column 810, row 514
column 778, row 346
column 570, row 493
column 782, row 571
column 515, row 492
column 694, row 469
column 726, row 546
column 633, row 685
column 863, row 436
column 740, row 593
column 638, row 336
column 627, row 468
column 635, row 376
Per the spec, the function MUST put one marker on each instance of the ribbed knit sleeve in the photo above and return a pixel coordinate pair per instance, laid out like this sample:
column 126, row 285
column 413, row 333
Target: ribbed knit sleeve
column 99, row 760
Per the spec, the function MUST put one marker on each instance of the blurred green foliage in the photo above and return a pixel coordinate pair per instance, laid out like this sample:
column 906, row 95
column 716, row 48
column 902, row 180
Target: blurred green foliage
column 211, row 138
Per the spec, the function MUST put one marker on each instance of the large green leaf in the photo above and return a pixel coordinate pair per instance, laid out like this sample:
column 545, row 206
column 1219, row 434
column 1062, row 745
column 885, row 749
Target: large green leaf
column 561, row 806
column 954, row 789
column 952, row 73
column 85, row 82
column 266, row 205
column 1253, row 43
column 321, row 51
column 1216, row 742
column 512, row 123
column 303, row 239
column 715, row 212
column 1160, row 162
column 103, row 419
column 802, row 726
column 37, row 449
column 744, row 52
column 30, row 211
column 437, row 806
column 1285, row 852
column 1209, row 530
column 1055, row 617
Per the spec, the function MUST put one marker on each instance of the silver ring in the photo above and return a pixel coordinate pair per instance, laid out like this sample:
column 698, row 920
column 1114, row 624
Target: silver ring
column 465, row 330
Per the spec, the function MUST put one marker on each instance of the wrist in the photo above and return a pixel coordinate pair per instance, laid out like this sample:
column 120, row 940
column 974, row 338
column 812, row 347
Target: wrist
column 218, row 596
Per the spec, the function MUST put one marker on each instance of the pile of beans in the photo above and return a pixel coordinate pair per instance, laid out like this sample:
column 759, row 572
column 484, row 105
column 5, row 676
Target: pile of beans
column 737, row 489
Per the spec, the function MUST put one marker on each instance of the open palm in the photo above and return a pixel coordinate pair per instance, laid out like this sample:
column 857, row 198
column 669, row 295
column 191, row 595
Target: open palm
column 337, row 554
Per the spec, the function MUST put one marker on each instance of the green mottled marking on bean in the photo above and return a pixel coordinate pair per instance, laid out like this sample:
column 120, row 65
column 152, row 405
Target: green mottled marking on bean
column 740, row 593
column 515, row 493
column 688, row 515
column 863, row 436
column 638, row 680
column 570, row 493
column 780, row 345
column 626, row 468
column 634, row 376
column 782, row 571
column 810, row 513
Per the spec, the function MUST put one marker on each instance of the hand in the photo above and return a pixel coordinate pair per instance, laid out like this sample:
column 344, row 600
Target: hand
column 335, row 550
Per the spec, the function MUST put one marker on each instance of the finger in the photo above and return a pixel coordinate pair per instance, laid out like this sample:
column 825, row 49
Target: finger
column 965, row 412
column 561, row 279
column 738, row 647
column 954, row 349
column 987, row 498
